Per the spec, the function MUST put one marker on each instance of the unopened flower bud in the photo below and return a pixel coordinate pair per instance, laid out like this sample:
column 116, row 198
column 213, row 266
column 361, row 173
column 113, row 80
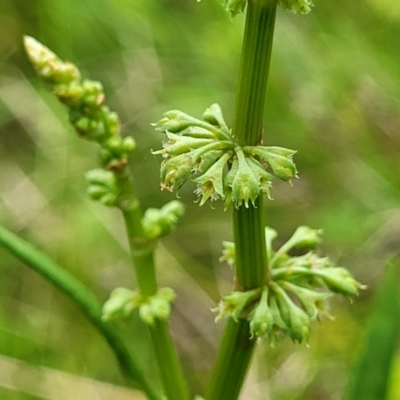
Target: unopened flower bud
column 304, row 237
column 160, row 222
column 311, row 300
column 146, row 314
column 261, row 318
column 157, row 306
column 48, row 65
column 121, row 304
column 295, row 318
column 178, row 144
column 245, row 185
column 176, row 171
column 210, row 184
column 228, row 253
column 93, row 93
column 103, row 186
column 214, row 116
column 234, row 6
column 339, row 280
column 70, row 94
column 176, row 121
column 297, row 6
column 282, row 166
column 234, row 304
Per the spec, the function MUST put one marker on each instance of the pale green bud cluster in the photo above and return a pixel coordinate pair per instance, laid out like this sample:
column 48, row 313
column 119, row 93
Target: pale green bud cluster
column 296, row 293
column 297, row 6
column 235, row 7
column 91, row 118
column 123, row 302
column 160, row 222
column 205, row 152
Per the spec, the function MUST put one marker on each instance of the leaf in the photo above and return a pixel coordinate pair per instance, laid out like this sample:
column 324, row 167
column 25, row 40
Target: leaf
column 372, row 371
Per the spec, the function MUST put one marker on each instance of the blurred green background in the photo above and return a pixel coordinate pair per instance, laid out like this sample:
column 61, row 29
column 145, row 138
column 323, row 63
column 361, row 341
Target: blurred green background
column 333, row 95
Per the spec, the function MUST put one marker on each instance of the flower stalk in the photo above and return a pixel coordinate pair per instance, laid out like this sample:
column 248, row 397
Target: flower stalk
column 248, row 222
column 112, row 185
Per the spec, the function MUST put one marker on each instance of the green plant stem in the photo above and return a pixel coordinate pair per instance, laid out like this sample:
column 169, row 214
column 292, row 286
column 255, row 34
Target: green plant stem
column 237, row 347
column 232, row 362
column 85, row 300
column 142, row 250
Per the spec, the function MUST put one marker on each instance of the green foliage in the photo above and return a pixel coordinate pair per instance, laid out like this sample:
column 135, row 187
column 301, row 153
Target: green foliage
column 382, row 333
column 337, row 91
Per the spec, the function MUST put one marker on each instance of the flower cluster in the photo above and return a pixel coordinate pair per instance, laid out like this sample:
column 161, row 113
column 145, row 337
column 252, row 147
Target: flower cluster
column 158, row 222
column 297, row 6
column 296, row 292
column 89, row 115
column 205, row 152
column 123, row 302
column 235, row 7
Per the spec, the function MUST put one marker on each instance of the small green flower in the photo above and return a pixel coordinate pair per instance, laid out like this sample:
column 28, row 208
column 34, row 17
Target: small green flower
column 175, row 121
column 339, row 280
column 121, row 304
column 157, row 306
column 294, row 317
column 228, row 253
column 214, row 116
column 281, row 164
column 261, row 318
column 312, row 301
column 103, row 186
column 228, row 181
column 264, row 177
column 160, row 222
column 176, row 171
column 178, row 144
column 234, row 6
column 297, row 6
column 245, row 185
column 48, row 65
column 210, row 184
column 234, row 304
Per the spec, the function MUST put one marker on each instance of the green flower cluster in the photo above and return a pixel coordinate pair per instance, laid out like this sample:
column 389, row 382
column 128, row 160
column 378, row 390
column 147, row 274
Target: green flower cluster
column 296, row 292
column 297, row 6
column 123, row 302
column 205, row 152
column 91, row 118
column 235, row 7
column 159, row 222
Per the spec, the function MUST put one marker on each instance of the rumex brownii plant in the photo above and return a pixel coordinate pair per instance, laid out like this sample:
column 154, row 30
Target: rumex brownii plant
column 277, row 293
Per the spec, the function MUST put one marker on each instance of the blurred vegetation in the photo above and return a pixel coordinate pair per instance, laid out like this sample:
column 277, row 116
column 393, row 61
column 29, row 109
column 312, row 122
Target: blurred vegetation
column 333, row 95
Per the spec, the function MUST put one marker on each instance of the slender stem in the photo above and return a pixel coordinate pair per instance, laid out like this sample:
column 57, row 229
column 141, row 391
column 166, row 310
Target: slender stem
column 250, row 247
column 237, row 347
column 254, row 68
column 232, row 363
column 83, row 297
column 142, row 250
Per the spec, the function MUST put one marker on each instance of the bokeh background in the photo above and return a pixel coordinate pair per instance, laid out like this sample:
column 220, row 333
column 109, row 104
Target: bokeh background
column 333, row 95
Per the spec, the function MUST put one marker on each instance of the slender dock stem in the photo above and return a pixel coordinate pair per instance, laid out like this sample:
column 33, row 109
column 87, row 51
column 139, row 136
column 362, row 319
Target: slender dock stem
column 142, row 251
column 85, row 300
column 248, row 223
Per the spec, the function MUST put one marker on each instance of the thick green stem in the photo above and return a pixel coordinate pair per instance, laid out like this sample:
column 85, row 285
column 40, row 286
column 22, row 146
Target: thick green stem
column 142, row 250
column 254, row 68
column 85, row 300
column 250, row 247
column 237, row 347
